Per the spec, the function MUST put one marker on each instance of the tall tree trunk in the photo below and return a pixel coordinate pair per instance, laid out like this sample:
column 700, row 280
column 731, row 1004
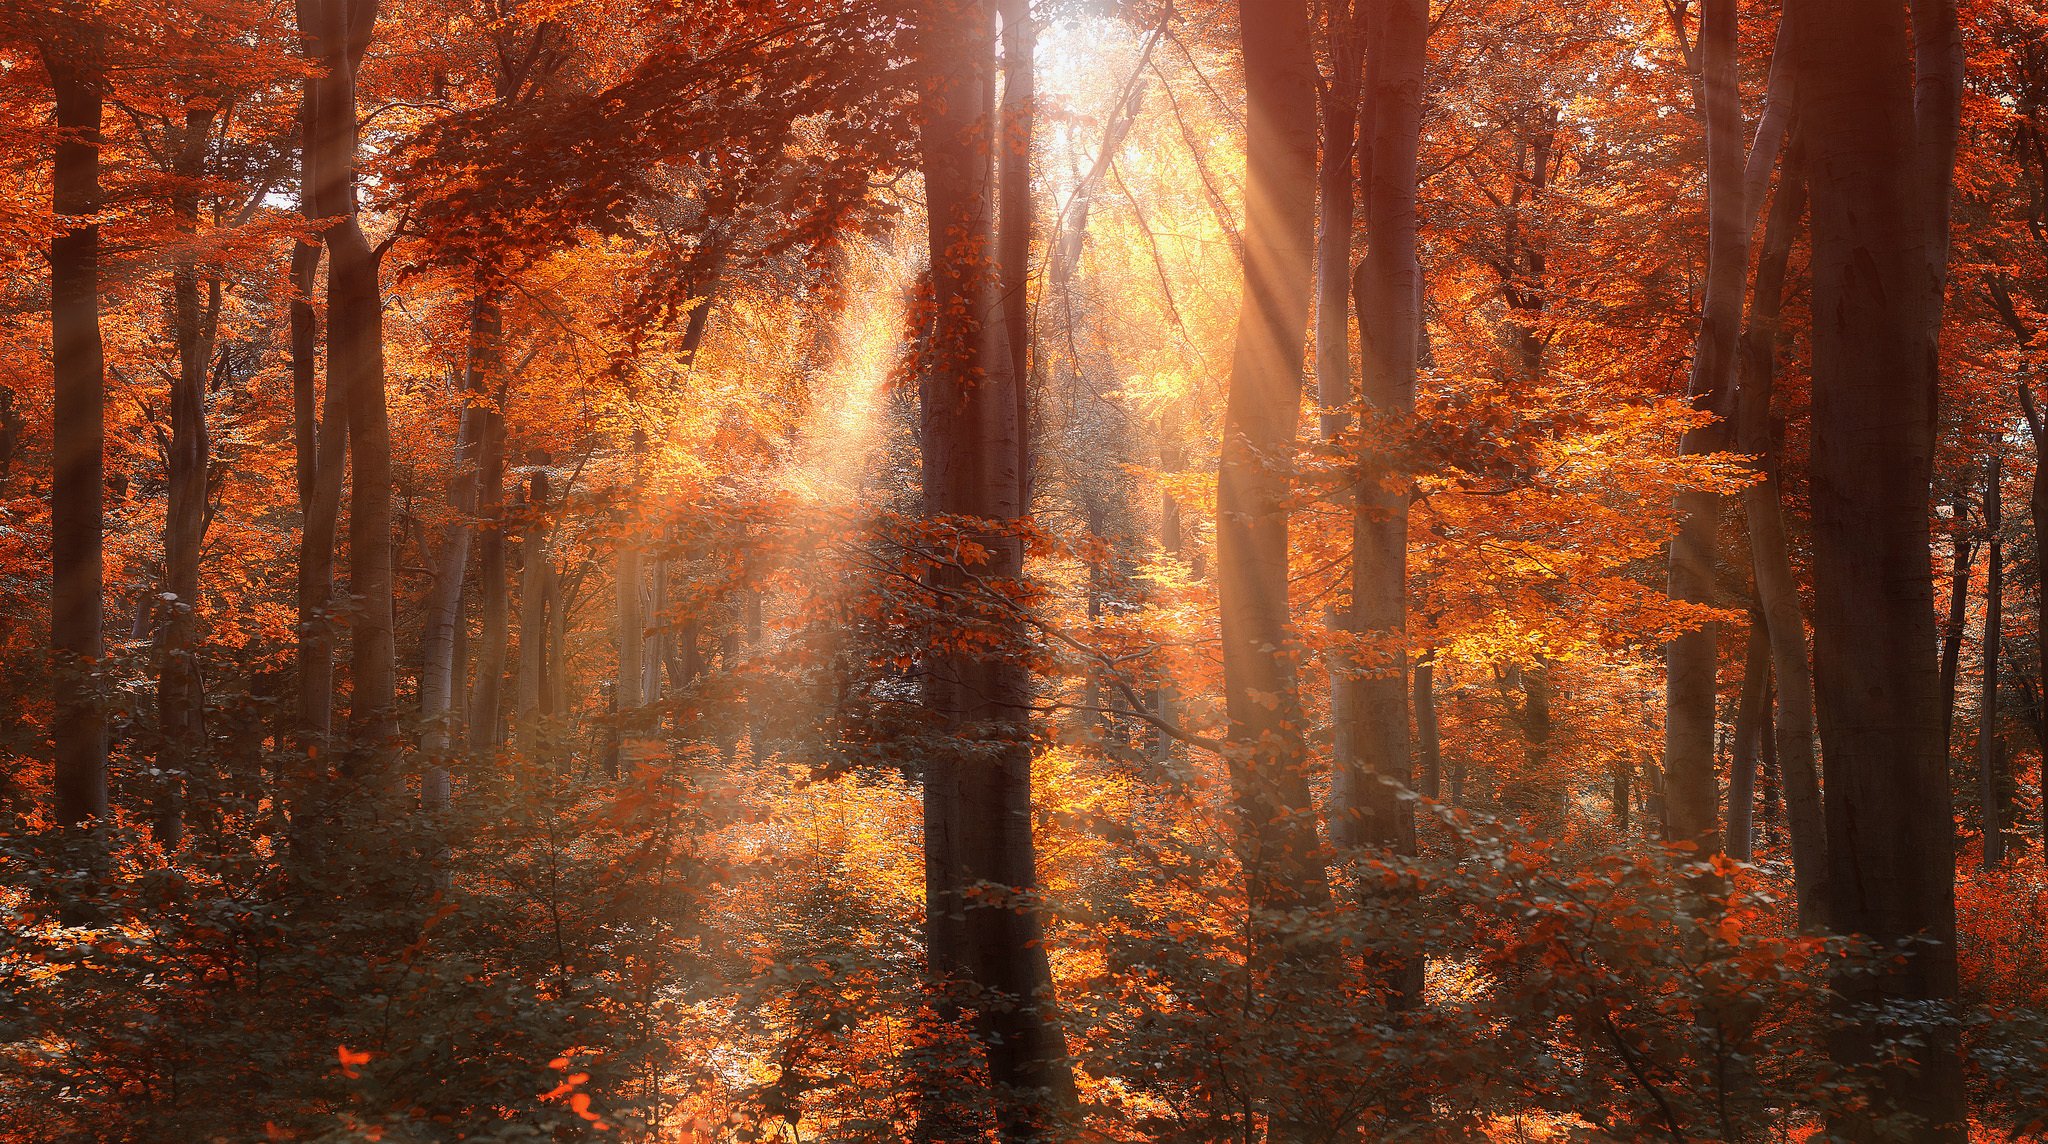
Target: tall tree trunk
column 1689, row 660
column 535, row 576
column 486, row 695
column 439, row 715
column 74, row 56
column 1427, row 740
column 986, row 947
column 1335, row 211
column 1013, row 200
column 338, row 34
column 1880, row 128
column 195, row 310
column 1777, row 587
column 1990, row 760
column 632, row 638
column 1961, row 555
column 1389, row 299
column 1749, row 733
column 1282, row 857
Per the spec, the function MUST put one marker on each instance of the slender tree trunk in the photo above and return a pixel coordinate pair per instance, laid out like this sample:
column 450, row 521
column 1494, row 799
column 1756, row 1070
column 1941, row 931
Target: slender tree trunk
column 1389, row 298
column 439, row 714
column 181, row 703
column 1749, row 727
column 1335, row 212
column 74, row 56
column 1282, row 856
column 338, row 34
column 536, row 576
column 632, row 638
column 1426, row 731
column 1013, row 200
column 1990, row 744
column 1777, row 588
column 977, row 801
column 486, row 696
column 1689, row 691
column 1880, row 127
column 1961, row 555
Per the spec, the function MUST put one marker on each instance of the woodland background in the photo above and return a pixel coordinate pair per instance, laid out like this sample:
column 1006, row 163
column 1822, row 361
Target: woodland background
column 859, row 570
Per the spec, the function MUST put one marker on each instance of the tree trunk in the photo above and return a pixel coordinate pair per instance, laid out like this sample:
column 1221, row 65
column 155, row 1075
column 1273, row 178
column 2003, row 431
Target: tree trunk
column 1269, row 774
column 439, row 716
column 1389, row 298
column 1013, row 200
column 1961, row 555
column 535, row 578
column 1880, row 131
column 1777, row 587
column 632, row 638
column 75, row 59
column 1334, row 218
column 1689, row 660
column 1990, row 760
column 1749, row 727
column 985, row 947
column 1426, row 732
column 195, row 310
column 338, row 33
column 486, row 695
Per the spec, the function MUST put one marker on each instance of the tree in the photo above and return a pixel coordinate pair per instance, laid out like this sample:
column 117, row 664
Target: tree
column 1880, row 126
column 983, row 930
column 1281, row 854
column 74, row 52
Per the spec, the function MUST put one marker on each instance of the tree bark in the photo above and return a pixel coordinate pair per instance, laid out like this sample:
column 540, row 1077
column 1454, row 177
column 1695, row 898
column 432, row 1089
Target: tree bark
column 1777, row 587
column 536, row 577
column 1961, row 555
column 1690, row 660
column 1426, row 730
column 439, row 716
column 1389, row 299
column 1268, row 758
column 1880, row 127
column 1749, row 727
column 195, row 312
column 977, row 795
column 74, row 55
column 486, row 695
column 1990, row 760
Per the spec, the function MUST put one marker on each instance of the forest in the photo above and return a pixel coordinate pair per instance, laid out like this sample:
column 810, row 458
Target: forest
column 1023, row 571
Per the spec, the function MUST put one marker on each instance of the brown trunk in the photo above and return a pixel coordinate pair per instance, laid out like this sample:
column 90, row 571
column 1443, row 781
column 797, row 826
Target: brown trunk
column 1880, row 132
column 1777, row 587
column 1013, row 200
column 985, row 948
column 1749, row 728
column 1389, row 297
column 440, row 718
column 1691, row 799
column 1990, row 753
column 338, row 33
column 1961, row 554
column 1426, row 731
column 492, row 585
column 74, row 55
column 195, row 310
column 1335, row 205
column 535, row 578
column 1281, row 853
